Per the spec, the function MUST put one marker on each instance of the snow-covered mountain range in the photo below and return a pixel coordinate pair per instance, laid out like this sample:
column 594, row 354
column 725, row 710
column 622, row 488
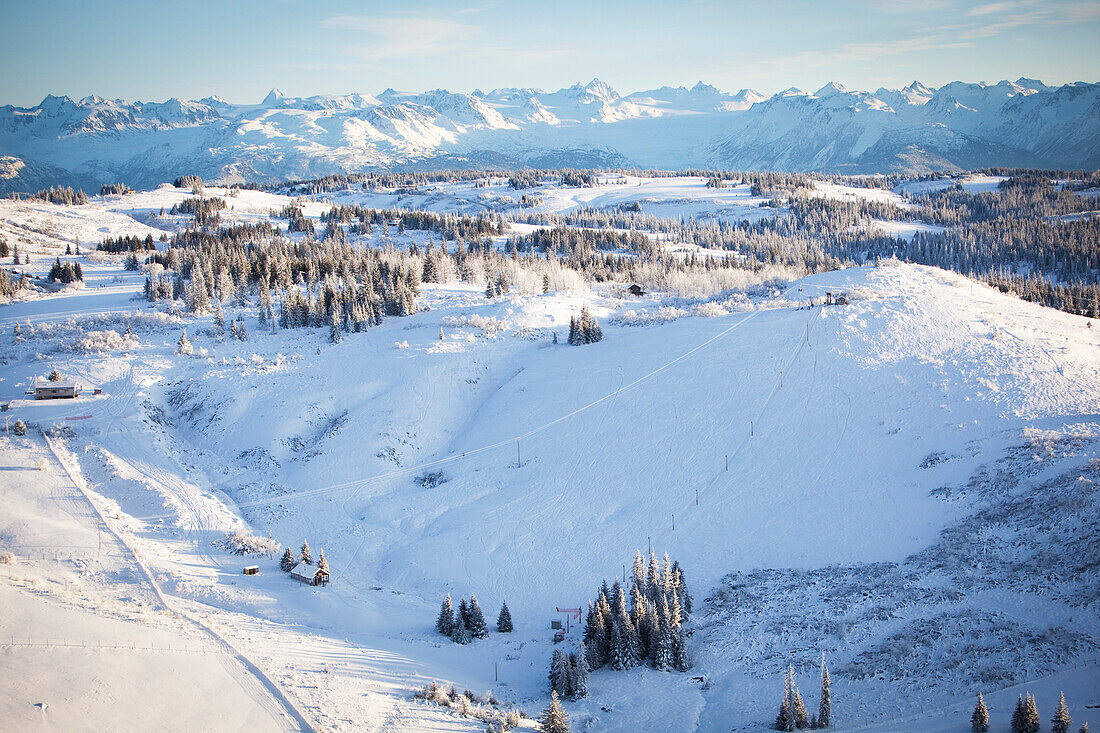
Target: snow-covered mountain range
column 913, row 129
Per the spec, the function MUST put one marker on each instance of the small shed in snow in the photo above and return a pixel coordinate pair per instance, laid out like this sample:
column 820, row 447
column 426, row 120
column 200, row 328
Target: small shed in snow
column 635, row 289
column 309, row 574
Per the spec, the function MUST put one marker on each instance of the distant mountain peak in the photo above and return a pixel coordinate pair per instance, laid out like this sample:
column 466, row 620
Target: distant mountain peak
column 274, row 97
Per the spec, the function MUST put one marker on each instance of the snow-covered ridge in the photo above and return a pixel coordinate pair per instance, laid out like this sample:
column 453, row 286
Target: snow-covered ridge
column 913, row 129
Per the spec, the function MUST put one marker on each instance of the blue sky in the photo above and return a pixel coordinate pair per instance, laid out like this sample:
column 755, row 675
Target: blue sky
column 239, row 50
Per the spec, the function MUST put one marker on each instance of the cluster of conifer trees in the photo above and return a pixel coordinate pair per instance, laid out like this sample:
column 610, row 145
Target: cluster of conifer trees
column 1025, row 717
column 204, row 209
column 115, row 189
column 468, row 622
column 646, row 630
column 58, row 195
column 569, row 674
column 65, row 272
column 289, row 559
column 127, row 243
column 9, row 286
column 584, row 330
column 792, row 711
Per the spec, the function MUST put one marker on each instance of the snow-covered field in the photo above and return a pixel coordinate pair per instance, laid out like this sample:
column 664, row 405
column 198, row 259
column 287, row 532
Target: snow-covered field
column 905, row 483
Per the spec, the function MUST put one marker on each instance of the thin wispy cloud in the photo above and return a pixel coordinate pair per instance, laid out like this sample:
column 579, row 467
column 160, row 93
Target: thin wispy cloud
column 404, row 36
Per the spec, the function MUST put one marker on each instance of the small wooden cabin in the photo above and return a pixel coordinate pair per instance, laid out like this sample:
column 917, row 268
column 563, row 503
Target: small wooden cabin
column 252, row 570
column 303, row 572
column 635, row 289
column 55, row 391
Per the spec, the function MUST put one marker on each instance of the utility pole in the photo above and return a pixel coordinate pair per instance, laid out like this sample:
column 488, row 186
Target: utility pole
column 750, row 429
column 650, row 539
column 673, row 522
column 696, row 504
column 727, row 462
column 519, row 461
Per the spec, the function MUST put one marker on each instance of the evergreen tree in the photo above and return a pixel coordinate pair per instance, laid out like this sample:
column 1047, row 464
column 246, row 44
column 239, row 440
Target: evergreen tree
column 1031, row 715
column 560, row 674
column 580, row 673
column 825, row 709
column 233, row 330
column 504, row 620
column 554, row 719
column 662, row 653
column 478, row 628
column 463, row 613
column 1061, row 721
column 19, row 427
column 680, row 661
column 334, row 329
column 242, row 332
column 307, row 554
column 184, row 344
column 55, row 376
column 219, row 319
column 785, row 719
column 288, row 562
column 801, row 719
column 1019, row 723
column 322, row 563
column 618, row 657
column 1084, row 727
column 445, row 622
column 462, row 634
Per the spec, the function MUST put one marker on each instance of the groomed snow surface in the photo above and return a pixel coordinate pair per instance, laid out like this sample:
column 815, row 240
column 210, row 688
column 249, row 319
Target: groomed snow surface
column 492, row 461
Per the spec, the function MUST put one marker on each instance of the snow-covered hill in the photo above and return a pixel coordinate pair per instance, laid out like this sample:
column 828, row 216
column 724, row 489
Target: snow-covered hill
column 914, row 129
column 910, row 487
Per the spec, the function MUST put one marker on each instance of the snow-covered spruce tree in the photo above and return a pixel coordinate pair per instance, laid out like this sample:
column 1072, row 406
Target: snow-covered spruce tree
column 629, row 633
column 560, row 677
column 1061, row 721
column 798, row 707
column 554, row 719
column 504, row 620
column 306, row 553
column 463, row 617
column 1084, row 727
column 183, row 346
column 680, row 661
column 580, row 672
column 288, row 562
column 478, row 628
column 242, row 331
column 198, row 300
column 461, row 633
column 1019, row 724
column 55, row 376
column 219, row 320
column 19, row 428
column 322, row 563
column 617, row 658
column 334, row 329
column 979, row 719
column 1032, row 722
column 445, row 622
column 233, row 331
column 784, row 720
column 662, row 653
column 825, row 708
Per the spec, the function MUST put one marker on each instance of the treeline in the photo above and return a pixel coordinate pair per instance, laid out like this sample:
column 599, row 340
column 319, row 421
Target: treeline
column 55, row 195
column 126, row 243
column 115, row 189
column 451, row 227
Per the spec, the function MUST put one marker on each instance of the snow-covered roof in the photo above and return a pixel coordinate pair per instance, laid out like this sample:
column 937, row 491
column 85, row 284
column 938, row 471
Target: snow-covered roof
column 304, row 570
